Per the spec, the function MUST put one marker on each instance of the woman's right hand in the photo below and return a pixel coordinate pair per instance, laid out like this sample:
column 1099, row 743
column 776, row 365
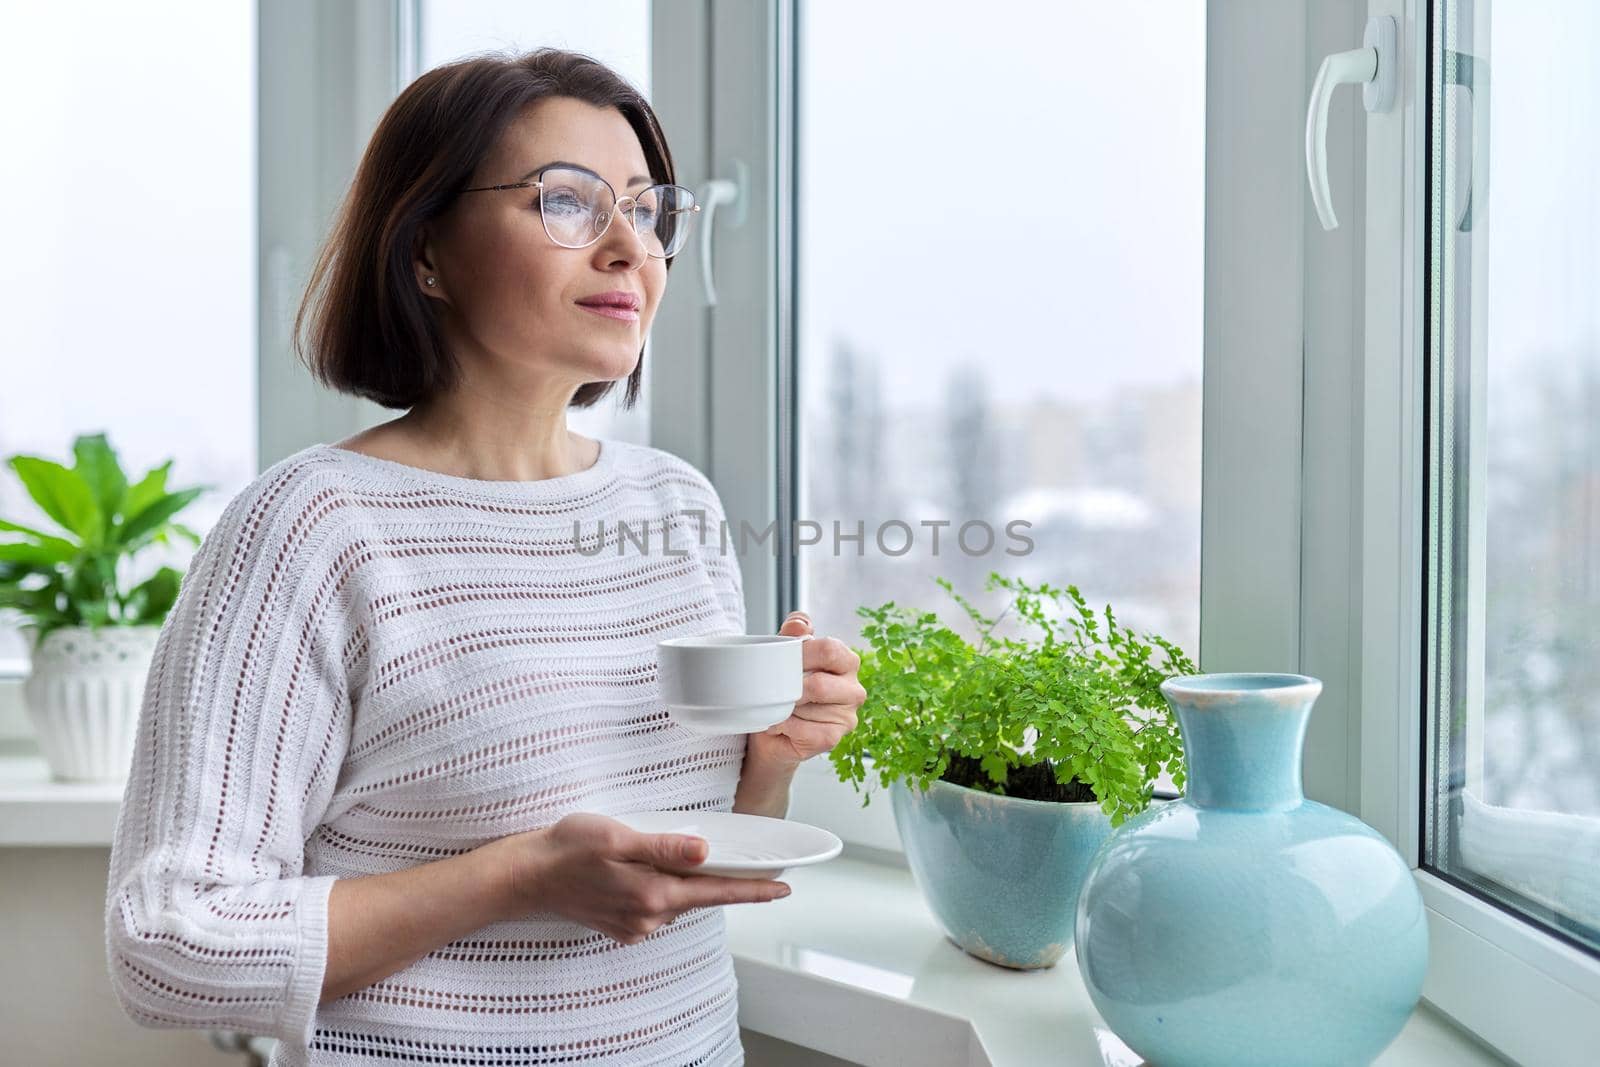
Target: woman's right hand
column 611, row 878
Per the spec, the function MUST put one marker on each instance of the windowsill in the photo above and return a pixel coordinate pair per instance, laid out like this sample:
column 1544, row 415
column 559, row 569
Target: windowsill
column 36, row 810
column 853, row 964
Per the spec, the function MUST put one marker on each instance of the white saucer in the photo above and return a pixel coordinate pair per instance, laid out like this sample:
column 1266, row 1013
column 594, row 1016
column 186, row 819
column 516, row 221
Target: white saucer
column 741, row 846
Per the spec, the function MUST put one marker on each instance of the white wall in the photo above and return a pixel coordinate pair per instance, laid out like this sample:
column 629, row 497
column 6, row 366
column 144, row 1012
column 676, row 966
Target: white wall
column 56, row 1005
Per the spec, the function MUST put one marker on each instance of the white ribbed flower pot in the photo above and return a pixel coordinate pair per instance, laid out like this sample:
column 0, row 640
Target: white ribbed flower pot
column 83, row 696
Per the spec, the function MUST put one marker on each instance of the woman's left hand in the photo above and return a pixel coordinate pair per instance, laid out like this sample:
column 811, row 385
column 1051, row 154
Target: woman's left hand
column 826, row 710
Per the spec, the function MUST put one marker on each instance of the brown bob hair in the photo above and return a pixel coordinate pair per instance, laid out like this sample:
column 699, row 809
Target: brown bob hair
column 363, row 326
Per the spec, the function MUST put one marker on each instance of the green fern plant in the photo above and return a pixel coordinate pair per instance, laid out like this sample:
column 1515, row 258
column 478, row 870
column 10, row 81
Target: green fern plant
column 1074, row 714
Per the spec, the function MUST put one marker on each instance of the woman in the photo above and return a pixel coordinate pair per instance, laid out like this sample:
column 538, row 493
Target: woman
column 408, row 677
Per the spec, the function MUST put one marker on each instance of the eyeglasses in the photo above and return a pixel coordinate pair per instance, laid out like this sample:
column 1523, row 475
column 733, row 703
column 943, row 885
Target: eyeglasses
column 577, row 207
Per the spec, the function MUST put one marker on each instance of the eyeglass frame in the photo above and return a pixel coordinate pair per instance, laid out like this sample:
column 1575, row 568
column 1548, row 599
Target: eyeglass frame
column 616, row 202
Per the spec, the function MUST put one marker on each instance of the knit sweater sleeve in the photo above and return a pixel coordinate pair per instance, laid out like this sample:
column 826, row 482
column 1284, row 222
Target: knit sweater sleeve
column 244, row 724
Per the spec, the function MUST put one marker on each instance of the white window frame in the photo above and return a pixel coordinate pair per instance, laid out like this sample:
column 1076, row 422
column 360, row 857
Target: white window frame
column 1531, row 996
column 736, row 429
column 720, row 406
column 315, row 121
column 724, row 382
column 721, row 371
column 1311, row 556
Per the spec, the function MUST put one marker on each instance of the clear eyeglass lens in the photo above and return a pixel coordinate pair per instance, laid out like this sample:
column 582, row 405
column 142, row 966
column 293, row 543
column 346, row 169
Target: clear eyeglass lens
column 662, row 216
column 577, row 209
column 573, row 203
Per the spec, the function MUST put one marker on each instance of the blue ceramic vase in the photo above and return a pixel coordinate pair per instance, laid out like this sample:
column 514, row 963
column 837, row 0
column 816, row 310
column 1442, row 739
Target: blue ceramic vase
column 1001, row 874
column 1244, row 924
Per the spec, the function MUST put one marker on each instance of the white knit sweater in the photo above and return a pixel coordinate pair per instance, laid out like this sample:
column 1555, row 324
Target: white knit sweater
column 371, row 666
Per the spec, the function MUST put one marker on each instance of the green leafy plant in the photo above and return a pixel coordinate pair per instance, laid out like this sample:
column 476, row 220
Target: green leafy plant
column 1074, row 715
column 79, row 576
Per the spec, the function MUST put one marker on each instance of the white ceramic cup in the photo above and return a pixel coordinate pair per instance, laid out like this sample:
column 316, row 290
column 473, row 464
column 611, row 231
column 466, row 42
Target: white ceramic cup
column 730, row 683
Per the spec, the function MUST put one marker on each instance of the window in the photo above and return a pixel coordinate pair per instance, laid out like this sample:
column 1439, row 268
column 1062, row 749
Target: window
column 999, row 305
column 616, row 32
column 132, row 309
column 1313, row 480
column 1512, row 781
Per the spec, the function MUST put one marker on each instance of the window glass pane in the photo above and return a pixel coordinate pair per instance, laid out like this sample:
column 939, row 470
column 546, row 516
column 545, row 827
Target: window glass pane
column 617, row 33
column 1000, row 305
column 1512, row 804
column 129, row 301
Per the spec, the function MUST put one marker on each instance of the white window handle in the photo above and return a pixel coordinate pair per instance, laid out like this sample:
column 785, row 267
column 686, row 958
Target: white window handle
column 1472, row 74
column 715, row 192
column 1373, row 66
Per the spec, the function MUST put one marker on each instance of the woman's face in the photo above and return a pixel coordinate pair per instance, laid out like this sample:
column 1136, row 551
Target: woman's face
column 509, row 295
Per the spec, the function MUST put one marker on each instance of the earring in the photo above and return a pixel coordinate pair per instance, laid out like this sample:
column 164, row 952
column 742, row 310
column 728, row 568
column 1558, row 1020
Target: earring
column 432, row 280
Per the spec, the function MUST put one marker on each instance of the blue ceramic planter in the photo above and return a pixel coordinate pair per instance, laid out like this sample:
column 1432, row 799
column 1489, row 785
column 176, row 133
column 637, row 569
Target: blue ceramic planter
column 1001, row 874
column 1244, row 924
